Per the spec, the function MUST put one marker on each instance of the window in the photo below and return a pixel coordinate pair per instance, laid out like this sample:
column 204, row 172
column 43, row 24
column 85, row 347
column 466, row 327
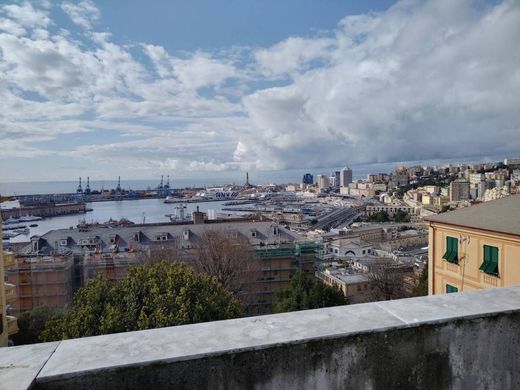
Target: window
column 452, row 250
column 451, row 289
column 490, row 264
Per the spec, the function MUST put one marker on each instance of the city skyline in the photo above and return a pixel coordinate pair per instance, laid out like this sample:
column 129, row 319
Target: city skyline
column 90, row 92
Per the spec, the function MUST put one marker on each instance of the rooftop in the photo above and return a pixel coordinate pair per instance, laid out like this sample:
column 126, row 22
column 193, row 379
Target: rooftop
column 501, row 215
column 125, row 236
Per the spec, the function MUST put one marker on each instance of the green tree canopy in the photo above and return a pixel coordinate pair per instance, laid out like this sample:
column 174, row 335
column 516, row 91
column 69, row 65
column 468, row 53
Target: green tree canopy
column 307, row 293
column 31, row 323
column 401, row 216
column 422, row 285
column 149, row 297
column 380, row 216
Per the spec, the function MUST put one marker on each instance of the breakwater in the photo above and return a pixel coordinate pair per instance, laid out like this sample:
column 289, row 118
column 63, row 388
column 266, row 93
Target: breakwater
column 45, row 210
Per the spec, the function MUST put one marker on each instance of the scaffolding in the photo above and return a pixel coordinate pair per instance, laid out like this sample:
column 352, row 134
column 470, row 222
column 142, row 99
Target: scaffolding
column 305, row 248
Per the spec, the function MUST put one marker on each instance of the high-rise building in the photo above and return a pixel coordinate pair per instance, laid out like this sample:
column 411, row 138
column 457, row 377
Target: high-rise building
column 323, row 182
column 345, row 177
column 335, row 179
column 459, row 190
column 308, row 179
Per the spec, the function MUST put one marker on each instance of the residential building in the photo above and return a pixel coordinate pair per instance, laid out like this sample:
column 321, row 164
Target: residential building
column 512, row 161
column 475, row 247
column 356, row 286
column 459, row 190
column 8, row 323
column 390, row 209
column 57, row 263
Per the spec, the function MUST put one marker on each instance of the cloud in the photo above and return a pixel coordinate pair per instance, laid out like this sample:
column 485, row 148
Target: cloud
column 295, row 54
column 84, row 13
column 422, row 80
column 26, row 15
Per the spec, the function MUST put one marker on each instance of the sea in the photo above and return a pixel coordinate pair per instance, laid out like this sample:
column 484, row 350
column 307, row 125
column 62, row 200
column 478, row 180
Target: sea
column 138, row 211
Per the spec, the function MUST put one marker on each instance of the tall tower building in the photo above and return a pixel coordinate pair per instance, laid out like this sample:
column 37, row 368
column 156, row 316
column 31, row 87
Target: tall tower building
column 335, row 179
column 308, row 179
column 345, row 177
column 323, row 182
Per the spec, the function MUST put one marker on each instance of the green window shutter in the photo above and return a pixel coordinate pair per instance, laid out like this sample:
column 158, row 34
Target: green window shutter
column 452, row 249
column 451, row 289
column 448, row 249
column 490, row 264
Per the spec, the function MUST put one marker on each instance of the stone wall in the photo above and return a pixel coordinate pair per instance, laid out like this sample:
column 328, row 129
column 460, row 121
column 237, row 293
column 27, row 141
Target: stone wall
column 466, row 340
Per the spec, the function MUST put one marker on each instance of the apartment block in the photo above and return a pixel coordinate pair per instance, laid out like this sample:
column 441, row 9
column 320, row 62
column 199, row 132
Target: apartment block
column 459, row 190
column 475, row 247
column 8, row 323
column 53, row 266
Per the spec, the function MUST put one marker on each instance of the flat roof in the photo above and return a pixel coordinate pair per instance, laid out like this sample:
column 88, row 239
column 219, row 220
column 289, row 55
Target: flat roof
column 501, row 215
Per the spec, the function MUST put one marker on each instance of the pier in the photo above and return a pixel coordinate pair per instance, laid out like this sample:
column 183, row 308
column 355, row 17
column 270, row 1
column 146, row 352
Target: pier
column 45, row 210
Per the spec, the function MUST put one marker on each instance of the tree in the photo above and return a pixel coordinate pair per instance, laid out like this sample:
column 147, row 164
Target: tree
column 307, row 293
column 227, row 258
column 31, row 323
column 421, row 288
column 387, row 280
column 380, row 216
column 149, row 297
column 401, row 216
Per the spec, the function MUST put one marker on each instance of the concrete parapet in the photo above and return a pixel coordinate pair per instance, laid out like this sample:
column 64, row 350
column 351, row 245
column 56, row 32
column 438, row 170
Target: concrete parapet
column 466, row 340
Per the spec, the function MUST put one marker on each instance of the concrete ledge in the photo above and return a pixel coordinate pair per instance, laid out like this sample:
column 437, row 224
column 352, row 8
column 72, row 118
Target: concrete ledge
column 450, row 341
column 19, row 366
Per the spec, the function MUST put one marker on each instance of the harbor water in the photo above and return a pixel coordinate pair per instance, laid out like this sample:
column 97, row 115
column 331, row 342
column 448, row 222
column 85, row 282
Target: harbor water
column 149, row 210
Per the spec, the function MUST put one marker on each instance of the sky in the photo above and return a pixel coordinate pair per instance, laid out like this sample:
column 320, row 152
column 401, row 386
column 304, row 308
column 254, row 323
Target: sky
column 214, row 89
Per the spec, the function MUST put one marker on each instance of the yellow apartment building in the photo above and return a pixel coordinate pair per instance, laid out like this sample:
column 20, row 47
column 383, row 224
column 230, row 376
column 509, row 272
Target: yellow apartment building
column 475, row 247
column 8, row 324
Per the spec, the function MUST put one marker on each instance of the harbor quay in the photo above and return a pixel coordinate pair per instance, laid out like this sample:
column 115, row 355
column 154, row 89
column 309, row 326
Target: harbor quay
column 44, row 210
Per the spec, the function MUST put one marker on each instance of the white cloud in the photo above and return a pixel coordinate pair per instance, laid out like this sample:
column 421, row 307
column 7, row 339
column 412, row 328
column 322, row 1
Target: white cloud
column 26, row 15
column 11, row 27
column 293, row 55
column 84, row 13
column 424, row 79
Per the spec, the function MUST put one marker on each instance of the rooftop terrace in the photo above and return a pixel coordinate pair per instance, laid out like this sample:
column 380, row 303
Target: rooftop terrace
column 466, row 340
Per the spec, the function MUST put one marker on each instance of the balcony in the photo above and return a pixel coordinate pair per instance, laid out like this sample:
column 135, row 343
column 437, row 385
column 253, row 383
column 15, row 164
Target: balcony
column 12, row 326
column 444, row 341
